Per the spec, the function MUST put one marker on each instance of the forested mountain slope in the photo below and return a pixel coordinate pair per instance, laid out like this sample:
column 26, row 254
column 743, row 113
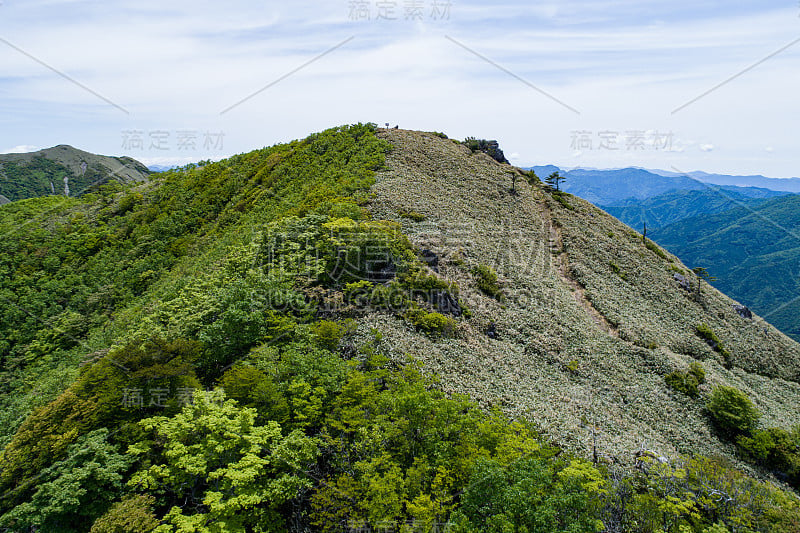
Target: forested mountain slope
column 63, row 170
column 285, row 341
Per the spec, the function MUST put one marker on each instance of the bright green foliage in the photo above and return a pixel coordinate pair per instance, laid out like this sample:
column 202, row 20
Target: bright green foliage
column 687, row 381
column 329, row 334
column 696, row 493
column 486, row 278
column 431, row 322
column 219, row 471
column 732, row 410
column 134, row 514
column 775, row 449
column 74, row 263
column 400, row 451
column 533, row 494
column 71, row 493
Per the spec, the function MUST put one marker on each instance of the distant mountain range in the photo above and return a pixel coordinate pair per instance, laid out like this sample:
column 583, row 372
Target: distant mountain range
column 676, row 205
column 62, row 170
column 621, row 186
column 776, row 184
column 753, row 250
column 744, row 229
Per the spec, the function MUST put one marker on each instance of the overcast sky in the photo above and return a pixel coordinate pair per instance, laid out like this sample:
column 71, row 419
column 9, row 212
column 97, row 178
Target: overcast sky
column 574, row 83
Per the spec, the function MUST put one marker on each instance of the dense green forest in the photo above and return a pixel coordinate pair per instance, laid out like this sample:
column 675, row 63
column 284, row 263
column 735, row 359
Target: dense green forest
column 752, row 250
column 185, row 355
column 63, row 170
column 675, row 206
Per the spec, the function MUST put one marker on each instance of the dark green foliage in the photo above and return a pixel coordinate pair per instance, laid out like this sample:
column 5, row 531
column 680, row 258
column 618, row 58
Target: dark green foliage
column 412, row 215
column 687, row 381
column 533, row 494
column 755, row 262
column 732, row 411
column 71, row 493
column 708, row 335
column 486, row 278
column 561, row 198
column 656, row 249
column 532, row 177
column 252, row 387
column 554, row 181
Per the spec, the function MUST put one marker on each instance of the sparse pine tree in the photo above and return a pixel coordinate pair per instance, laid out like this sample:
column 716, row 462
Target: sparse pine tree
column 554, row 180
column 702, row 274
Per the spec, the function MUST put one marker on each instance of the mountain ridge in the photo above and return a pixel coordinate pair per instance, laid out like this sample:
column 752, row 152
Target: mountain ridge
column 341, row 294
column 64, row 170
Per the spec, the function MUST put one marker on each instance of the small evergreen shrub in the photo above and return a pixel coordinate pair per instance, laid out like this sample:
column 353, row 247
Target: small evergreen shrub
column 560, row 198
column 775, row 449
column 532, row 177
column 432, row 323
column 328, row 334
column 732, row 411
column 656, row 249
column 487, row 281
column 688, row 380
column 357, row 292
column 412, row 215
column 616, row 270
column 708, row 335
column 134, row 514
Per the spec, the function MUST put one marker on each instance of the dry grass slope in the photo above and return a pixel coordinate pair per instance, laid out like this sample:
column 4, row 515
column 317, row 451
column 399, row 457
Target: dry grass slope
column 563, row 303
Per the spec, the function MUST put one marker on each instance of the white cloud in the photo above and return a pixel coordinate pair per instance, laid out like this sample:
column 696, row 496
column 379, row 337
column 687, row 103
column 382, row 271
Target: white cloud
column 706, row 147
column 21, row 149
column 624, row 64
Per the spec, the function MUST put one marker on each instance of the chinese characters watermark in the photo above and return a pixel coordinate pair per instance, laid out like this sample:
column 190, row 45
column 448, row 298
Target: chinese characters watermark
column 388, row 10
column 134, row 398
column 630, row 140
column 164, row 140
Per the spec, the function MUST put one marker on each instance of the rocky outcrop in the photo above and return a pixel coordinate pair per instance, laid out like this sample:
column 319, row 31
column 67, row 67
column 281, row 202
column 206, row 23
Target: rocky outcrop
column 682, row 282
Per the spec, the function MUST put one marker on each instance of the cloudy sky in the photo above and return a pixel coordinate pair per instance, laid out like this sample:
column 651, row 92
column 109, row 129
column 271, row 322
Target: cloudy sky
column 677, row 85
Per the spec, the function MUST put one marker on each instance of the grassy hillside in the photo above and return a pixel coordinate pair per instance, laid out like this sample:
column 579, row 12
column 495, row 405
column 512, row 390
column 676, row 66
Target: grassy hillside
column 374, row 329
column 63, row 170
column 754, row 254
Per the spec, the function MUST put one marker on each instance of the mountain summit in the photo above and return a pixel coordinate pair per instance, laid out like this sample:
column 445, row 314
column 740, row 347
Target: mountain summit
column 63, row 170
column 579, row 288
